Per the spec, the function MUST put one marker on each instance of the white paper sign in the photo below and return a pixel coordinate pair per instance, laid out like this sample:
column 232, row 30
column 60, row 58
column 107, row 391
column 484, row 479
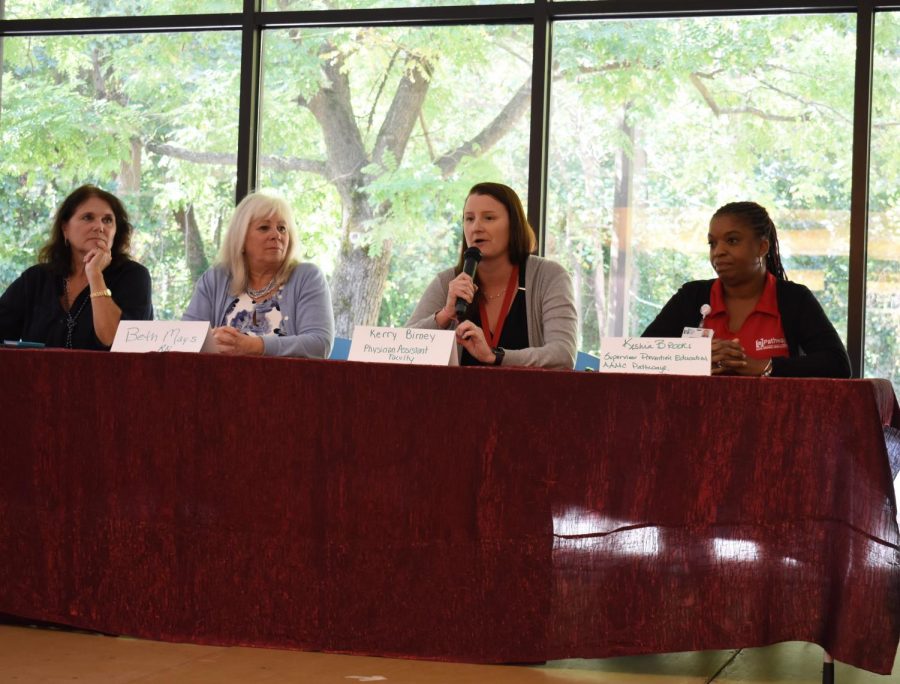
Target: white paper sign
column 659, row 355
column 155, row 336
column 403, row 345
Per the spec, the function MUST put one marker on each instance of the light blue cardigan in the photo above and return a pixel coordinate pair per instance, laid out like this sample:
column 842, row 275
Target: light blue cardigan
column 305, row 302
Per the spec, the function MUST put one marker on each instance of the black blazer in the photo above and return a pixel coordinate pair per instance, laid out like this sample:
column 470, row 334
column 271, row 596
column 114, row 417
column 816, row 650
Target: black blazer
column 814, row 346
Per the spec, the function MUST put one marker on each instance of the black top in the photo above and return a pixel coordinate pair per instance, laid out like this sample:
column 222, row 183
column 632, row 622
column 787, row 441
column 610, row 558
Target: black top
column 815, row 348
column 30, row 309
column 515, row 329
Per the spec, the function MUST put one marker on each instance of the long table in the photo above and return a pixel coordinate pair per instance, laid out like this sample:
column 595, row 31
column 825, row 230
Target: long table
column 471, row 514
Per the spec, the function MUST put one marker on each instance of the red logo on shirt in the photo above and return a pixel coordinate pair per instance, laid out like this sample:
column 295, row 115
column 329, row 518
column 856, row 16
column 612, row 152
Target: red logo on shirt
column 769, row 343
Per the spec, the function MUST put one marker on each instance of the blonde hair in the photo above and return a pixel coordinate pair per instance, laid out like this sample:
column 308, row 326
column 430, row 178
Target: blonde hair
column 256, row 206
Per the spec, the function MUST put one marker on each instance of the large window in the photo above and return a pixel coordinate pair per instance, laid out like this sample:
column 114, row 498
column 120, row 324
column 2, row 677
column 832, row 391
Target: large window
column 624, row 136
column 883, row 268
column 152, row 118
column 655, row 123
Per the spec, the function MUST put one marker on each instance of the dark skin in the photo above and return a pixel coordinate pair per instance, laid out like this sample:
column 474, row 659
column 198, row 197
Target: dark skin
column 738, row 256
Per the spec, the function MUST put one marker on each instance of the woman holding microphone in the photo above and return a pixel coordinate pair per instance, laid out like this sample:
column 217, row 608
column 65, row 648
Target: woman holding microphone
column 519, row 310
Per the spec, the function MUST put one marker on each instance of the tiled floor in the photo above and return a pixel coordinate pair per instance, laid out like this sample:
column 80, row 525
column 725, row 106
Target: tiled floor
column 39, row 656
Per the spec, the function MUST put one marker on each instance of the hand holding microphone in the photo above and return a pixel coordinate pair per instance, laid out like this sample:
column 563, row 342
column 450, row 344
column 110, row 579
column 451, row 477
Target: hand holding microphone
column 460, row 291
column 471, row 257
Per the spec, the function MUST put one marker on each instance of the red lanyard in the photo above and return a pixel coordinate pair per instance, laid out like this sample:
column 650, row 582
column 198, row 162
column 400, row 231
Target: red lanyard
column 512, row 286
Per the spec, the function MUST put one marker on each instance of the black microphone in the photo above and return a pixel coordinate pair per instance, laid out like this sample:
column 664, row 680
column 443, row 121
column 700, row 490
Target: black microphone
column 471, row 257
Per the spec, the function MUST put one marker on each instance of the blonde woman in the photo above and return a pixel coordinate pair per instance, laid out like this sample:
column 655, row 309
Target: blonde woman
column 258, row 297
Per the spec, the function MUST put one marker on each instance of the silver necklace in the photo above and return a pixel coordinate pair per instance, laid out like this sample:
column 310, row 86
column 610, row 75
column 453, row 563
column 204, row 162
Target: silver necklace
column 70, row 319
column 256, row 294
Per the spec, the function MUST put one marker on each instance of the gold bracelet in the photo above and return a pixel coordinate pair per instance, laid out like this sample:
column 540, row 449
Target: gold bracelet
column 101, row 293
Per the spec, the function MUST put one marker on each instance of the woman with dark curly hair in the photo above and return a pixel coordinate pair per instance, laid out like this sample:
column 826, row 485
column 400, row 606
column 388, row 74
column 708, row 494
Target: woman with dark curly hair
column 762, row 324
column 85, row 282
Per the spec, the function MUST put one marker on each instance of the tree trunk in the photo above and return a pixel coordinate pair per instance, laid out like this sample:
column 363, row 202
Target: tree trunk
column 130, row 172
column 217, row 234
column 358, row 286
column 620, row 260
column 577, row 274
column 193, row 244
column 599, row 282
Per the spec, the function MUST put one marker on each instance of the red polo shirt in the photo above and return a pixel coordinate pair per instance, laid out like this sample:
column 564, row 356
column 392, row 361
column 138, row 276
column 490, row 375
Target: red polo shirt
column 761, row 335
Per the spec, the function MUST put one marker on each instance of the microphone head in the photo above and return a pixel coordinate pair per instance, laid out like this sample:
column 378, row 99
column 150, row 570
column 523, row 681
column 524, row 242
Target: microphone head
column 472, row 253
column 705, row 309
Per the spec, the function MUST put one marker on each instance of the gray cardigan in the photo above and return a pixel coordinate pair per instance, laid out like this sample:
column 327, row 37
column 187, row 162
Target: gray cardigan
column 550, row 307
column 305, row 303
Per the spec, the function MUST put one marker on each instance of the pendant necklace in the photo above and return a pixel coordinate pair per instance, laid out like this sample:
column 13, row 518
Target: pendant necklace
column 70, row 319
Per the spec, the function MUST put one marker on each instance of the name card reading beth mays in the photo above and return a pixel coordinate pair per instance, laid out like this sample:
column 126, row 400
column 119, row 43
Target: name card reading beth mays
column 403, row 345
column 666, row 355
column 153, row 336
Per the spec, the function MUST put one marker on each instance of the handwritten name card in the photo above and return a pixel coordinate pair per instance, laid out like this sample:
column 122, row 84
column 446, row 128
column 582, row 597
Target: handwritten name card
column 403, row 345
column 157, row 336
column 660, row 355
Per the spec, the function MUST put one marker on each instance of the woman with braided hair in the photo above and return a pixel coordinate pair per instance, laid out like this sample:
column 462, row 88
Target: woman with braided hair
column 762, row 323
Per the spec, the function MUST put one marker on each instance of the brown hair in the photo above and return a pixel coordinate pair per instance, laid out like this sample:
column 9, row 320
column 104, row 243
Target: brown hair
column 57, row 254
column 522, row 240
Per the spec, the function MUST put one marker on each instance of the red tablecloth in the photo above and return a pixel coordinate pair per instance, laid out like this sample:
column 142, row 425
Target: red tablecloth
column 468, row 514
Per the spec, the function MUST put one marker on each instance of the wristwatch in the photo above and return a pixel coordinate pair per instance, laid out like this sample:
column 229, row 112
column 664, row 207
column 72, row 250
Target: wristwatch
column 499, row 353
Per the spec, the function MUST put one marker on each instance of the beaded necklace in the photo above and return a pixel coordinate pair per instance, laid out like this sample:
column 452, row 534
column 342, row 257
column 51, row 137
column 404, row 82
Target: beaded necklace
column 256, row 294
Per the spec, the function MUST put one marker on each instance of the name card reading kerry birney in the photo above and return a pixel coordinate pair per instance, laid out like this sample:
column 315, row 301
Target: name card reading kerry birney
column 158, row 336
column 403, row 345
column 665, row 355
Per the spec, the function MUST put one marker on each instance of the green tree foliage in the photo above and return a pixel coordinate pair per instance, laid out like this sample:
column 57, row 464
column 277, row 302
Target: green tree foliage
column 106, row 109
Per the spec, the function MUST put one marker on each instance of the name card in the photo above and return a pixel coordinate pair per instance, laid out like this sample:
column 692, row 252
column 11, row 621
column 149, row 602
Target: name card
column 403, row 345
column 659, row 355
column 158, row 336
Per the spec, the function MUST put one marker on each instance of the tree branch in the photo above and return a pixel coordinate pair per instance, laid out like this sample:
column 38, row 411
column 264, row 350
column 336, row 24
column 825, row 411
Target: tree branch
column 806, row 103
column 387, row 73
column 491, row 134
column 332, row 106
column 431, row 154
column 225, row 159
column 609, row 66
column 719, row 111
column 400, row 119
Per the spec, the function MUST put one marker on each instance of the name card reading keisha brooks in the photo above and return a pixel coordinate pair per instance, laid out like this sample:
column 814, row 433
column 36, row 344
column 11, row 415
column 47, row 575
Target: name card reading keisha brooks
column 660, row 355
column 160, row 336
column 403, row 345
